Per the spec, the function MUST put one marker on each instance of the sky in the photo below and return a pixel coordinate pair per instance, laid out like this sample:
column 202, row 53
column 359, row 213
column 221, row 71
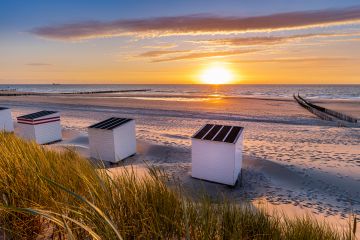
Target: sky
column 175, row 42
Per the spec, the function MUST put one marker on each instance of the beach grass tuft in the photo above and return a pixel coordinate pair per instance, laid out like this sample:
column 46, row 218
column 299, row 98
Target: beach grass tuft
column 60, row 195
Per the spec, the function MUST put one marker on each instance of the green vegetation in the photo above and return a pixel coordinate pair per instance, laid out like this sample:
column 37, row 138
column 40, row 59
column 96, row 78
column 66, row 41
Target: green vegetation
column 47, row 194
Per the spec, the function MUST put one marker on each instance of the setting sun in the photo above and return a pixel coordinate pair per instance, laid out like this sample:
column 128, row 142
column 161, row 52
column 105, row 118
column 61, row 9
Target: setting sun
column 216, row 75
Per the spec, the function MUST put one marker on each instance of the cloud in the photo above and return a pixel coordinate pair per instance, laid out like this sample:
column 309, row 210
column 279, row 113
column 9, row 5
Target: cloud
column 197, row 55
column 197, row 24
column 241, row 42
column 295, row 60
column 162, row 46
column 160, row 53
column 270, row 40
column 245, row 41
column 38, row 64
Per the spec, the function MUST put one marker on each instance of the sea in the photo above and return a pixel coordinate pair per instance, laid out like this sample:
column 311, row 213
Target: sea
column 166, row 90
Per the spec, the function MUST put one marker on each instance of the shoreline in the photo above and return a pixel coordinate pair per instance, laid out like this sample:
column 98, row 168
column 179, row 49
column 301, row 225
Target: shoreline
column 148, row 92
column 241, row 107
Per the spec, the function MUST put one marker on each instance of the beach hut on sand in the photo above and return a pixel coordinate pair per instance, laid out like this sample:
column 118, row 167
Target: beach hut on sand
column 6, row 123
column 113, row 139
column 43, row 127
column 217, row 153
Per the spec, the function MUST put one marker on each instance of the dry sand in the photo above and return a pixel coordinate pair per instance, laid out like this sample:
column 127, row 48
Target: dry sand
column 292, row 160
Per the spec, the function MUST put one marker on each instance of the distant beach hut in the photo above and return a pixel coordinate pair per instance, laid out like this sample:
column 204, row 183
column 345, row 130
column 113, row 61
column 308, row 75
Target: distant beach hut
column 43, row 127
column 113, row 139
column 6, row 123
column 217, row 153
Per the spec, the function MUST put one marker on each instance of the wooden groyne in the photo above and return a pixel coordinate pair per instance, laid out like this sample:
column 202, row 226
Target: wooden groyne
column 333, row 113
column 8, row 90
column 324, row 113
column 10, row 94
column 314, row 111
column 107, row 91
column 15, row 93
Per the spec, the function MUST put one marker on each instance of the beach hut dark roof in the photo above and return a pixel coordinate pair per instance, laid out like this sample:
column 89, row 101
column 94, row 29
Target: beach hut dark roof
column 111, row 123
column 219, row 133
column 37, row 115
column 3, row 108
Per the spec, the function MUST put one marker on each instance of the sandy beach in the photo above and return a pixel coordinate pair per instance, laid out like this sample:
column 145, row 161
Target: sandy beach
column 293, row 161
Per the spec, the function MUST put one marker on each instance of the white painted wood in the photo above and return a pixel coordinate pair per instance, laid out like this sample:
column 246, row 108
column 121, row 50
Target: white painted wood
column 42, row 133
column 215, row 161
column 125, row 140
column 101, row 143
column 6, row 122
column 48, row 132
column 113, row 145
column 26, row 131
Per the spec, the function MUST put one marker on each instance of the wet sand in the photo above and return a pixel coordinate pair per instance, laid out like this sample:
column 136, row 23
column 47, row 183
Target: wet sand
column 351, row 108
column 220, row 105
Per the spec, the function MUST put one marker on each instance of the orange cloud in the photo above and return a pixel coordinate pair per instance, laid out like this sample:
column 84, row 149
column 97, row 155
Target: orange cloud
column 160, row 53
column 270, row 40
column 38, row 64
column 197, row 24
column 295, row 60
column 197, row 55
column 162, row 46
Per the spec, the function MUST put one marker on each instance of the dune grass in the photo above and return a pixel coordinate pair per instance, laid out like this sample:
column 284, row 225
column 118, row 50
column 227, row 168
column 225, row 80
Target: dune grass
column 52, row 195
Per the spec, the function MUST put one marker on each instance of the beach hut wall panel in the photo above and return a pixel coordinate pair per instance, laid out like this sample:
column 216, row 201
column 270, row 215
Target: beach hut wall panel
column 113, row 139
column 6, row 123
column 42, row 127
column 217, row 153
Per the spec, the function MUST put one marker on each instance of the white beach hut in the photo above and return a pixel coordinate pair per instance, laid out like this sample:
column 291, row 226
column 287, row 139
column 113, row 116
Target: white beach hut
column 6, row 123
column 43, row 127
column 217, row 153
column 113, row 139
